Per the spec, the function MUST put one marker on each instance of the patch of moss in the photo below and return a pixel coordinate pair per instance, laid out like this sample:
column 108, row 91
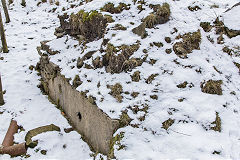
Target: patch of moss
column 212, row 87
column 217, row 123
column 166, row 124
column 190, row 41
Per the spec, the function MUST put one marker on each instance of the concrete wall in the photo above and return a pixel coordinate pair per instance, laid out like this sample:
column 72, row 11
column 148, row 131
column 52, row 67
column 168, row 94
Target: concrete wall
column 93, row 124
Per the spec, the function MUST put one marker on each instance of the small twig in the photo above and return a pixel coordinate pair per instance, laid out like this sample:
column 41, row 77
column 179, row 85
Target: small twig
column 180, row 133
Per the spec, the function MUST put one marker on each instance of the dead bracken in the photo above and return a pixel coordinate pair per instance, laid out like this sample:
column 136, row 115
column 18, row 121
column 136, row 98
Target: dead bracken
column 166, row 124
column 217, row 123
column 109, row 7
column 160, row 15
column 151, row 78
column 77, row 81
column 222, row 29
column 136, row 76
column 206, row 26
column 116, row 91
column 116, row 62
column 190, row 41
column 119, row 27
column 182, row 85
column 237, row 65
column 212, row 87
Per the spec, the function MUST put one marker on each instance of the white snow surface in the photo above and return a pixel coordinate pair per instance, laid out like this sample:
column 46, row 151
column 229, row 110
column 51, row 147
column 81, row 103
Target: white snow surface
column 231, row 18
column 189, row 137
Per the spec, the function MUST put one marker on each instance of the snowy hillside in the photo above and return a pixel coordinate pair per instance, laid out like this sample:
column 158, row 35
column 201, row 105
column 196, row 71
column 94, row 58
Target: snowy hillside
column 170, row 68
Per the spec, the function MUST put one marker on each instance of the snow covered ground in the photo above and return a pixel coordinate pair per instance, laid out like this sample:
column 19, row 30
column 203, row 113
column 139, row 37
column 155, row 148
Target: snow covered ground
column 24, row 101
column 193, row 111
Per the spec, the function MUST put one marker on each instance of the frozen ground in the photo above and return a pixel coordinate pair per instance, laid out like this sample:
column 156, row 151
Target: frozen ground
column 24, row 101
column 193, row 111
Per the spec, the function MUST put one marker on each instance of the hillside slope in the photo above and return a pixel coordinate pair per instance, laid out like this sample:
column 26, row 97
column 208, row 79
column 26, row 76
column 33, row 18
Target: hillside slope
column 172, row 68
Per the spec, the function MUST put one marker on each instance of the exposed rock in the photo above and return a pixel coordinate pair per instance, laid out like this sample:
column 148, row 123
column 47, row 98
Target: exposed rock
column 190, row 41
column 212, row 87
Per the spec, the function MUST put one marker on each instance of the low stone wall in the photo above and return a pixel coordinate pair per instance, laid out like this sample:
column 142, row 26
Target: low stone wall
column 96, row 127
